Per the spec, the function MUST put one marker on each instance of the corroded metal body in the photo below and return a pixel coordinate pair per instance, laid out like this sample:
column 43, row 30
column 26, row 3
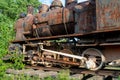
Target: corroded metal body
column 28, row 22
column 56, row 4
column 85, row 17
column 43, row 8
column 70, row 1
column 55, row 22
column 70, row 4
column 107, row 12
column 19, row 29
column 90, row 29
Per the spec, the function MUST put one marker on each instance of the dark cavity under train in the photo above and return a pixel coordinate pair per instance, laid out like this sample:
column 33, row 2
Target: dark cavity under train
column 83, row 34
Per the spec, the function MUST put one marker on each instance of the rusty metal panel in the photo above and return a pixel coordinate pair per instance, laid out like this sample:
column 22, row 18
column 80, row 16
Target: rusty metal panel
column 85, row 17
column 71, row 5
column 108, row 14
column 112, row 52
column 19, row 29
column 62, row 15
column 41, row 17
column 57, row 16
column 28, row 22
column 59, row 21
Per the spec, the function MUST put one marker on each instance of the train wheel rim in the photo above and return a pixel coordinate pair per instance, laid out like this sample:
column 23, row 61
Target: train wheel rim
column 96, row 57
column 66, row 66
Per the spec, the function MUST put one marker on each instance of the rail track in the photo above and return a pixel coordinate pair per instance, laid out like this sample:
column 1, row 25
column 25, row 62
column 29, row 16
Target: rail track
column 104, row 73
column 75, row 73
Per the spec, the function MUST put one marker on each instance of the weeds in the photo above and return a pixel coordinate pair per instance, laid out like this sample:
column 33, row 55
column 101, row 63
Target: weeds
column 17, row 59
column 119, row 78
column 62, row 75
column 18, row 77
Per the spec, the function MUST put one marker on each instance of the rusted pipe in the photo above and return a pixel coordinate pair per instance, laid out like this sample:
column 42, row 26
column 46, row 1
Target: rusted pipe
column 64, row 54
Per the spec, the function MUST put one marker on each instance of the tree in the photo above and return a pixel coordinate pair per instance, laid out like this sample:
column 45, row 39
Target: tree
column 9, row 11
column 11, row 8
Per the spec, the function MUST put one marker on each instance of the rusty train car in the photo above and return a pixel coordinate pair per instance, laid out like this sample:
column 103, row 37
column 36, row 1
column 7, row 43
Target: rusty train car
column 83, row 34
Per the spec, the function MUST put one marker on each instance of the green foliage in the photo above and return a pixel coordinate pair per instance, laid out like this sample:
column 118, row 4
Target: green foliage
column 17, row 58
column 12, row 8
column 9, row 11
column 3, row 67
column 18, row 77
column 5, row 31
column 119, row 78
column 64, row 75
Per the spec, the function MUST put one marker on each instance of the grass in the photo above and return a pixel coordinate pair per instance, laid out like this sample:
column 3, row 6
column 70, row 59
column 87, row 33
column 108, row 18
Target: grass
column 18, row 77
column 62, row 75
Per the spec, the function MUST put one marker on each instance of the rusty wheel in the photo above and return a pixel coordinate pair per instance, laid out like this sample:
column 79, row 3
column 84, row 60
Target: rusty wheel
column 33, row 57
column 47, row 63
column 95, row 59
column 48, row 55
column 34, row 60
column 67, row 59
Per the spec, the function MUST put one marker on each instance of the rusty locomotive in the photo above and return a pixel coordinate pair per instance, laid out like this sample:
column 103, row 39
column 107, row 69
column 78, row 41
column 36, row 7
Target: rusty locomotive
column 83, row 34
